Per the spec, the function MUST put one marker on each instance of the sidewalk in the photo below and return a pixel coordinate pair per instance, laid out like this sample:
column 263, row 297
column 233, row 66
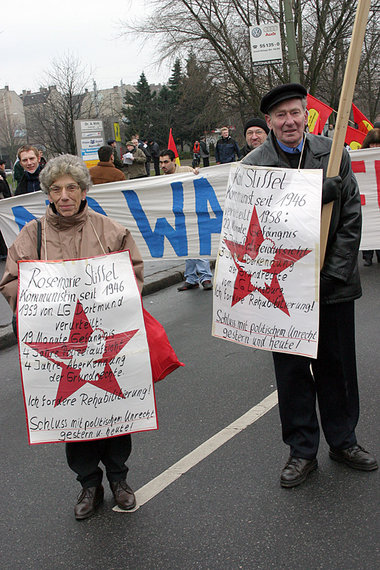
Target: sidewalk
column 158, row 275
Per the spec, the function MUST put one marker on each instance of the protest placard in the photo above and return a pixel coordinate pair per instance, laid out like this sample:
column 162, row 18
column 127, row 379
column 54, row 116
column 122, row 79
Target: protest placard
column 266, row 285
column 84, row 355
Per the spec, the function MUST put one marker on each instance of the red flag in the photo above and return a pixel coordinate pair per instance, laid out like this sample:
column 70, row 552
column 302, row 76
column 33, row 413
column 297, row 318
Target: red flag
column 171, row 146
column 318, row 114
column 364, row 125
column 354, row 138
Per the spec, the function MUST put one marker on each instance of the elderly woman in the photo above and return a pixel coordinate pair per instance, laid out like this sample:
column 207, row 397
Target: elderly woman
column 70, row 230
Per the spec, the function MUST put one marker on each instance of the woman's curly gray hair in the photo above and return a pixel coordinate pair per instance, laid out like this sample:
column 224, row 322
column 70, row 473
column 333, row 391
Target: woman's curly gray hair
column 65, row 164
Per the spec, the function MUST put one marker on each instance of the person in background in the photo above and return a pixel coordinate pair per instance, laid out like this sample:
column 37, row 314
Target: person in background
column 226, row 148
column 196, row 155
column 41, row 159
column 154, row 151
column 169, row 166
column 105, row 171
column 18, row 171
column 5, row 192
column 134, row 166
column 29, row 158
column 255, row 132
column 116, row 160
column 204, row 151
column 143, row 146
column 372, row 140
column 146, row 150
column 196, row 270
column 71, row 230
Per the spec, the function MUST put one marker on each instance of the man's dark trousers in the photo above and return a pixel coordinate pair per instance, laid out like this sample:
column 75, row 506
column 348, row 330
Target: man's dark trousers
column 333, row 381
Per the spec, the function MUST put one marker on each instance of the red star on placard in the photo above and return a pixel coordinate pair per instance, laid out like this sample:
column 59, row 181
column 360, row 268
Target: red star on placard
column 77, row 345
column 283, row 258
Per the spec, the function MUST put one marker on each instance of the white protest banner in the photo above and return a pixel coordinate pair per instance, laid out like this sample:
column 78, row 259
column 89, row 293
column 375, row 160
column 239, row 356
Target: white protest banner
column 169, row 216
column 266, row 281
column 366, row 166
column 84, row 356
column 180, row 215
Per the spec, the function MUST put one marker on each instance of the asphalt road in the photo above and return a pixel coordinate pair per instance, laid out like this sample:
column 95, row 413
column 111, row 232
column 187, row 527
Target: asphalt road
column 228, row 511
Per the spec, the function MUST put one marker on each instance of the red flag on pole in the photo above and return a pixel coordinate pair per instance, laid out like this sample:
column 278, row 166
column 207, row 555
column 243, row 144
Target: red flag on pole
column 318, row 114
column 171, row 146
column 364, row 125
column 354, row 138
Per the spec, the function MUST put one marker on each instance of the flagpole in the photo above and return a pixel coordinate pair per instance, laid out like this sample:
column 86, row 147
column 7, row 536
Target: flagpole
column 344, row 109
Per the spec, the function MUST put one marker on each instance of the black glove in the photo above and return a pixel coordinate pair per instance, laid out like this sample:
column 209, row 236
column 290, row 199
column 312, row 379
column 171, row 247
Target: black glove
column 331, row 189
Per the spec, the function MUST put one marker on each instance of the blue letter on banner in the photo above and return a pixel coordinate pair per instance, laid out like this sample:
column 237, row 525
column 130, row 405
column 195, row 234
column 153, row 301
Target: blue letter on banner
column 204, row 194
column 94, row 205
column 155, row 239
column 22, row 216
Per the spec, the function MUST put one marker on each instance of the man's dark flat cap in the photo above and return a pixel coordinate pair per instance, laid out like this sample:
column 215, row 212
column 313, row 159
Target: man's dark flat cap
column 111, row 141
column 281, row 93
column 256, row 122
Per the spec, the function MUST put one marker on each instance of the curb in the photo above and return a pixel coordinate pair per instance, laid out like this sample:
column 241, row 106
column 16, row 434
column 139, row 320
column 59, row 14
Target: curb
column 162, row 280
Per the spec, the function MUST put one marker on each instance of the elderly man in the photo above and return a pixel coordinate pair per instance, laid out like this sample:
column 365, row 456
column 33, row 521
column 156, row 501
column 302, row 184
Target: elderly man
column 105, row 171
column 332, row 376
column 29, row 158
column 255, row 131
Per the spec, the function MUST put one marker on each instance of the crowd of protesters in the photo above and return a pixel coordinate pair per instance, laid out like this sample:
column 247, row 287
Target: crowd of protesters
column 280, row 140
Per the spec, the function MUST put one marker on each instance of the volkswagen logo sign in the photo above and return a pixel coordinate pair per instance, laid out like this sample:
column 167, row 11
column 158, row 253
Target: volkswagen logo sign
column 256, row 32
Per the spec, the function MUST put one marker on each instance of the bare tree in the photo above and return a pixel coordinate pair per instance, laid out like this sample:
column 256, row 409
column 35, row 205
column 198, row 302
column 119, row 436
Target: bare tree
column 368, row 84
column 12, row 137
column 50, row 121
column 217, row 31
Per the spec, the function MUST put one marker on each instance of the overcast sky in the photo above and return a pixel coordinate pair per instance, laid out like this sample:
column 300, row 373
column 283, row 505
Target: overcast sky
column 33, row 33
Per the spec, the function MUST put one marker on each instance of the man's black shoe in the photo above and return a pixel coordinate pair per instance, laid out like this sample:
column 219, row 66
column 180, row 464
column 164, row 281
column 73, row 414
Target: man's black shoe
column 355, row 457
column 368, row 262
column 124, row 496
column 186, row 286
column 88, row 500
column 296, row 470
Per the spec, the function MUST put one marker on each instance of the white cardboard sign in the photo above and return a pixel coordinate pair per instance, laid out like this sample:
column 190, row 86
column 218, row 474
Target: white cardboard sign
column 266, row 285
column 84, row 356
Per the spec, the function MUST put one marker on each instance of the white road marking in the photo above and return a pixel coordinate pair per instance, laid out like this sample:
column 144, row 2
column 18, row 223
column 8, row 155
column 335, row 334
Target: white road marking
column 159, row 483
